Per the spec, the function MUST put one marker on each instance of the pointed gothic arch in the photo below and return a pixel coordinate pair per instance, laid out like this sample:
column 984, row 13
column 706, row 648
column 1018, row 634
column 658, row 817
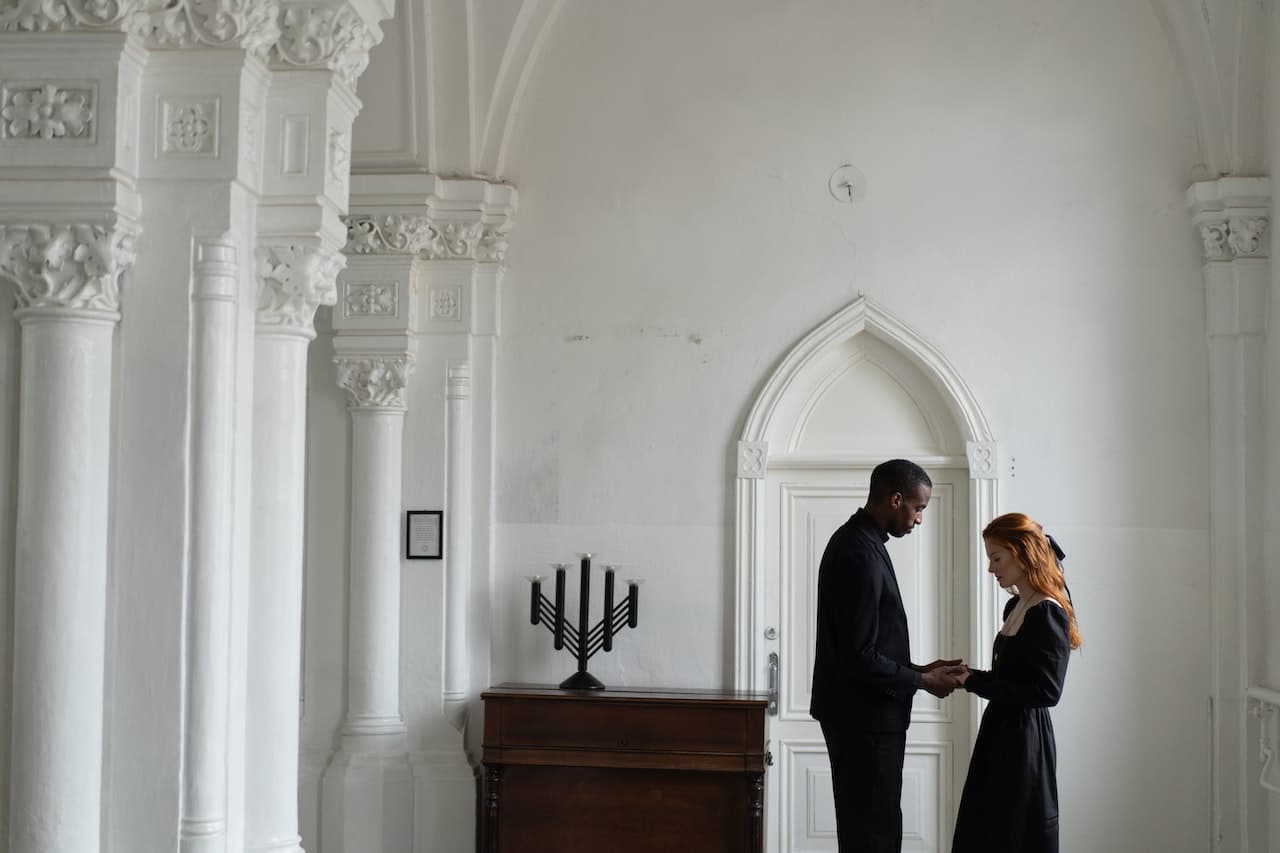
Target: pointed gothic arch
column 813, row 363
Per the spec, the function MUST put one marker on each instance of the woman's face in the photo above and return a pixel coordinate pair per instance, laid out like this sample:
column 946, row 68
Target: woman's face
column 1003, row 564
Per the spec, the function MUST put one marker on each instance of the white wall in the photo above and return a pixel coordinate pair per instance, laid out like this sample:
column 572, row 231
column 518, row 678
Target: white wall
column 1025, row 166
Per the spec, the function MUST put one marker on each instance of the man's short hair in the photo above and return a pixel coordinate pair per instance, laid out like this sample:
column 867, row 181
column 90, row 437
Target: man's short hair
column 897, row 475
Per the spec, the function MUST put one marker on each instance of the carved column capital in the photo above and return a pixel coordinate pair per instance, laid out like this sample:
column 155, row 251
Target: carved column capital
column 319, row 36
column 293, row 281
column 428, row 237
column 248, row 24
column 290, row 34
column 1232, row 217
column 1227, row 238
column 75, row 266
column 60, row 15
column 374, row 381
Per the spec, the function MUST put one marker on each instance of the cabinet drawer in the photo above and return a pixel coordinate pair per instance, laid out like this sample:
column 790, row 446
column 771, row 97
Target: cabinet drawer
column 581, row 725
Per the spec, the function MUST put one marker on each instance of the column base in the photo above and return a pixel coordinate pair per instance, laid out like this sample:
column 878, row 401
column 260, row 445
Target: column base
column 288, row 845
column 367, row 803
column 445, row 796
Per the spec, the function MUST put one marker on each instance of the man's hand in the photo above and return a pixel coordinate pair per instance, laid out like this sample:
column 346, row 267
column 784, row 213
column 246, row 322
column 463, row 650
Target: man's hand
column 943, row 679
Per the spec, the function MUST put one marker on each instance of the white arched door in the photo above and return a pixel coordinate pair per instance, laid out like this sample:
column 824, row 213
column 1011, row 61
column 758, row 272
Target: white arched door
column 858, row 391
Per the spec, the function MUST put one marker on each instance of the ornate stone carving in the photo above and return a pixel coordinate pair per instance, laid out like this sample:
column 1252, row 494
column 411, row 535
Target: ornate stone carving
column 983, row 458
column 374, row 381
column 387, row 235
column 292, row 282
column 55, row 15
column 446, row 303
column 46, row 110
column 324, row 37
column 66, row 266
column 753, row 459
column 250, row 24
column 1248, row 237
column 1238, row 237
column 420, row 235
column 371, row 300
column 339, row 155
column 190, row 127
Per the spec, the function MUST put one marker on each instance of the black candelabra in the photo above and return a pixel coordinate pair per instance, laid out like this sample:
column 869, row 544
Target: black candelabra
column 583, row 642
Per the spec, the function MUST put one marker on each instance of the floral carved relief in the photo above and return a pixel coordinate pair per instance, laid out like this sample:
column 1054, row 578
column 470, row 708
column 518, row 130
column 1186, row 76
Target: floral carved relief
column 374, row 382
column 293, row 281
column 424, row 237
column 369, row 235
column 190, row 127
column 371, row 300
column 51, row 110
column 66, row 266
column 446, row 303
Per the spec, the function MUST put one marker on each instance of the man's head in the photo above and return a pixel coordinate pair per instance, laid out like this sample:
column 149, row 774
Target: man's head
column 900, row 490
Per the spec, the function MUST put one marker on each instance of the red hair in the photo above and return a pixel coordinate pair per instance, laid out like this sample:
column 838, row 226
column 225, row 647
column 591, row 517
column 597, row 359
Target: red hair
column 1024, row 536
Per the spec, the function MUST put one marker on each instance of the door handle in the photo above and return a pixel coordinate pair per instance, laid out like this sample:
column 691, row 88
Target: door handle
column 772, row 708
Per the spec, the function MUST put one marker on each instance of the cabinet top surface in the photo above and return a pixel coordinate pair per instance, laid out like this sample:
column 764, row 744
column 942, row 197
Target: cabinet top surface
column 512, row 690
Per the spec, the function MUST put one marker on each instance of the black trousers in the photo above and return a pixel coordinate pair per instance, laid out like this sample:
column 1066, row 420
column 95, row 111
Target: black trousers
column 866, row 776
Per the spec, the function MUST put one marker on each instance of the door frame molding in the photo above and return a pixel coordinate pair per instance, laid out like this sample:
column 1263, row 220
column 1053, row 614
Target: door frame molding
column 982, row 455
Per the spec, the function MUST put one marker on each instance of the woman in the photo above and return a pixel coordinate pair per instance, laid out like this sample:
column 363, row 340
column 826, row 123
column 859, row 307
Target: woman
column 1010, row 799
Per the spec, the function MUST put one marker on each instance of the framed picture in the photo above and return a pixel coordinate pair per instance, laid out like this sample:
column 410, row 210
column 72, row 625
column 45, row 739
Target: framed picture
column 424, row 534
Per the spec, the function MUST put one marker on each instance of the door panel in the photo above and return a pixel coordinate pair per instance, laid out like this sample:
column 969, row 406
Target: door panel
column 803, row 508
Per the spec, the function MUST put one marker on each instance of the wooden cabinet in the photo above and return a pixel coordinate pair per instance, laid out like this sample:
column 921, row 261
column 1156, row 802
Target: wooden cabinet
column 622, row 771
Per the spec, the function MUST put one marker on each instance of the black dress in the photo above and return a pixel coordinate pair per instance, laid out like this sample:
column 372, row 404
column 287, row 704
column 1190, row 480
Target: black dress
column 1010, row 799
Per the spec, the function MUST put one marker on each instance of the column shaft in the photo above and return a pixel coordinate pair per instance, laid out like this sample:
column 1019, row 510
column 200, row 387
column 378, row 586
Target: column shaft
column 275, row 592
column 203, row 828
column 60, row 581
column 373, row 661
column 457, row 668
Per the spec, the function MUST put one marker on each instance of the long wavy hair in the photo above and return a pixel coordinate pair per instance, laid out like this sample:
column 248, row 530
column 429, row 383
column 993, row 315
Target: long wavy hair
column 1024, row 536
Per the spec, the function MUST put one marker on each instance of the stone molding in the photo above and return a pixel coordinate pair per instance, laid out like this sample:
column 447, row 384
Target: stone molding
column 293, row 281
column 458, row 381
column 290, row 35
column 374, row 381
column 73, row 266
column 428, row 237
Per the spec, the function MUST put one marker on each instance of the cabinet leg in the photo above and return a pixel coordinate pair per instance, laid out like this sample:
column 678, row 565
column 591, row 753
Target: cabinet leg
column 755, row 786
column 493, row 785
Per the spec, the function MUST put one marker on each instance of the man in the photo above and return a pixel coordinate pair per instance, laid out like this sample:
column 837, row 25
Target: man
column 863, row 678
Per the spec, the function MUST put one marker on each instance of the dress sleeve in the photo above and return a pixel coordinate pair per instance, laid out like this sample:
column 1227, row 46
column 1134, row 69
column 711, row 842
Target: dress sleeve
column 1039, row 685
column 859, row 586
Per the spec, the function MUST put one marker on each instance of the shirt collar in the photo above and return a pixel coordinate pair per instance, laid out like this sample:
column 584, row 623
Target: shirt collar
column 864, row 519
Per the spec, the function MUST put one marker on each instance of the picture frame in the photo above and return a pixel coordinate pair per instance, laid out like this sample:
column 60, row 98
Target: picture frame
column 424, row 534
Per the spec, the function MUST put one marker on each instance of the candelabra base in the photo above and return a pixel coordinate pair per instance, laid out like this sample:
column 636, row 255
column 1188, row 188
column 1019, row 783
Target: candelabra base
column 582, row 680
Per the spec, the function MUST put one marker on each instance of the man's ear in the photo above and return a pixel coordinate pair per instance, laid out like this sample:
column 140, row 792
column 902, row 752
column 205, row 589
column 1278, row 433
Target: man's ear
column 895, row 500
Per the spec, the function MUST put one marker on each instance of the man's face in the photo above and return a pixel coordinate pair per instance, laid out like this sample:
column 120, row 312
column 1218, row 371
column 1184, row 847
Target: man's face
column 908, row 510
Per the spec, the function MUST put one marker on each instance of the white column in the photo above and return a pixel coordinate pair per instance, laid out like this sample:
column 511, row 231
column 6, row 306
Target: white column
column 1232, row 217
column 208, row 636
column 368, row 789
column 457, row 668
column 292, row 282
column 68, row 299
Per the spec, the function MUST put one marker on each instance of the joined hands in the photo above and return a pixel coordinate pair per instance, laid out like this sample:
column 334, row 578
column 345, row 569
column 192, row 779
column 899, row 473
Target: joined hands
column 942, row 677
